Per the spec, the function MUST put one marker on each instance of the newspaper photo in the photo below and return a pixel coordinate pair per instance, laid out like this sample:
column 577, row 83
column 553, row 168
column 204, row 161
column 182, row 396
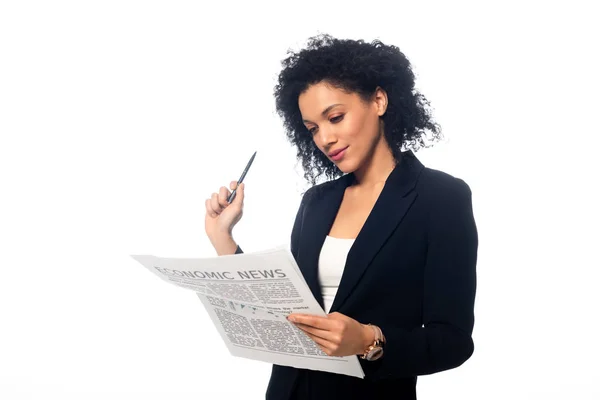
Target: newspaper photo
column 248, row 297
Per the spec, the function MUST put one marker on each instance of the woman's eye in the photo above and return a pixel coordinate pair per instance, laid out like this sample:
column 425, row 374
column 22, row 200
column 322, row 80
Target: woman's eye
column 333, row 120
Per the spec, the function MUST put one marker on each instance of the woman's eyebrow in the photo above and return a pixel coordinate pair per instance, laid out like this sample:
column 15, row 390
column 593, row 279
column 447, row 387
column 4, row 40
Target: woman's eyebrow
column 325, row 111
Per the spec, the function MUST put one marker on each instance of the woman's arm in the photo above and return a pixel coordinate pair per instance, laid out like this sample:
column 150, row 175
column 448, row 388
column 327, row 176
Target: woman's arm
column 444, row 341
column 225, row 245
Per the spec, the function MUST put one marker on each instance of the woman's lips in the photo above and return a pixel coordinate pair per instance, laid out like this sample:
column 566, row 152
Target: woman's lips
column 338, row 156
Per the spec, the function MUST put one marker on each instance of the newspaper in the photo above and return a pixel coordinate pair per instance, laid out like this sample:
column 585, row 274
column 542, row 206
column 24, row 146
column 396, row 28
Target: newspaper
column 248, row 297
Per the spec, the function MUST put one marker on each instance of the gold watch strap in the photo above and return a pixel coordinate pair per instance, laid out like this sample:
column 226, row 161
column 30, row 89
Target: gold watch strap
column 381, row 337
column 377, row 342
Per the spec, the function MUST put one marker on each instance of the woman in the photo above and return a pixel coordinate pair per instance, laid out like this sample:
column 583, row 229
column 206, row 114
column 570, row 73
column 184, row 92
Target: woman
column 387, row 246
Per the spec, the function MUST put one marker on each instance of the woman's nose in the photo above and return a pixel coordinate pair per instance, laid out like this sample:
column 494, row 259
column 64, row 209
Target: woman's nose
column 326, row 137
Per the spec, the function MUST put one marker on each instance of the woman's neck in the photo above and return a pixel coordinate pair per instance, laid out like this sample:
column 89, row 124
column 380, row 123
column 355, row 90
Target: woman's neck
column 376, row 169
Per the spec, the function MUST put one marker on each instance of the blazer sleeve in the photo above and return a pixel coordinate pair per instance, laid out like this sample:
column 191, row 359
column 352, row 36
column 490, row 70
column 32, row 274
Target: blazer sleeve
column 444, row 341
column 296, row 229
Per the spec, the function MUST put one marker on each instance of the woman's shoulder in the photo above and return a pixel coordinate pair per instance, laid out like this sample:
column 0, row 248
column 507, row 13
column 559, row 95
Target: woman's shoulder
column 319, row 190
column 441, row 185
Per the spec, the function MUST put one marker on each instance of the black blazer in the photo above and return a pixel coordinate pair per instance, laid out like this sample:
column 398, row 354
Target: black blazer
column 411, row 271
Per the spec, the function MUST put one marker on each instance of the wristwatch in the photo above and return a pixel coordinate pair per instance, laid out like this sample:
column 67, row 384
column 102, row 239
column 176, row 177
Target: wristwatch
column 375, row 351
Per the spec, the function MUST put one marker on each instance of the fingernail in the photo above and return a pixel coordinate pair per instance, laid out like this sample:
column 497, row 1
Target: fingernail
column 292, row 319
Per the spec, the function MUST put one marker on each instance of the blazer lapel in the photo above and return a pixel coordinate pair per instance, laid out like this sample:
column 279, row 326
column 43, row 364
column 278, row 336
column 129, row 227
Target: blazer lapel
column 389, row 209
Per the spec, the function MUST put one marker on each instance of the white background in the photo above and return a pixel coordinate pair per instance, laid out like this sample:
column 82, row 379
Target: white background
column 118, row 118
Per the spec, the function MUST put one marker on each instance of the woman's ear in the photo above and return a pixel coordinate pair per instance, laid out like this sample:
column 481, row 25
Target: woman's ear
column 381, row 100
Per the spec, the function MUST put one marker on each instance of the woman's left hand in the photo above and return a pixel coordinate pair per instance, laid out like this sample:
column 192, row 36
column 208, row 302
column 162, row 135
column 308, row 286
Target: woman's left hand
column 336, row 334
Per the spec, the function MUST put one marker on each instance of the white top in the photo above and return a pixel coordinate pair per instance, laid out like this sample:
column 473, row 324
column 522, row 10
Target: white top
column 331, row 266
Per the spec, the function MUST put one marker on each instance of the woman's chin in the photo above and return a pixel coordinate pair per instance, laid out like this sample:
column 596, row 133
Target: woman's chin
column 345, row 166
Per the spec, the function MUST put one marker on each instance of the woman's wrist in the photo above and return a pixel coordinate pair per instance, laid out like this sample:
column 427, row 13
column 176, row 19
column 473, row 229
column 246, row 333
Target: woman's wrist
column 378, row 333
column 368, row 337
column 224, row 245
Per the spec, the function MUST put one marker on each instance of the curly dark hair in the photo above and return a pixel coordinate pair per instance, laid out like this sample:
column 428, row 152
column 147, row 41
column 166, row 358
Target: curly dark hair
column 359, row 67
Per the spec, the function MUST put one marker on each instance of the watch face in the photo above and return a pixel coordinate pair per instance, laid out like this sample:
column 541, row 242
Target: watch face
column 375, row 354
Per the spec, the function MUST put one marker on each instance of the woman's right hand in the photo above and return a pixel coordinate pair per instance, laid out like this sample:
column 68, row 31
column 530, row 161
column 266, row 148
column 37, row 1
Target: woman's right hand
column 221, row 216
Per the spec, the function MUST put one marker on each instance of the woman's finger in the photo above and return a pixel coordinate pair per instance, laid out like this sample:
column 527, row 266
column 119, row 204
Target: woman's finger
column 326, row 335
column 214, row 203
column 223, row 195
column 209, row 209
column 325, row 345
column 239, row 195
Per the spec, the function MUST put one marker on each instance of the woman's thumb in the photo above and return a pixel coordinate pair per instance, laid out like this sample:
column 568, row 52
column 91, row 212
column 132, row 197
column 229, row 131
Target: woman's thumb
column 239, row 195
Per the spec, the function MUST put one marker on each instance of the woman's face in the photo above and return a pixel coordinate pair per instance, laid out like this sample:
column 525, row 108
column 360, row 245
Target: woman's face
column 341, row 121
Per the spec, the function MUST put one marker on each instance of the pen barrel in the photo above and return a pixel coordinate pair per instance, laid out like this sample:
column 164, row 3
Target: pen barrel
column 232, row 196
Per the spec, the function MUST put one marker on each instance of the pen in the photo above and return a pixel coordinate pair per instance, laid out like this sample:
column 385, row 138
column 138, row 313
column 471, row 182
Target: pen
column 232, row 195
